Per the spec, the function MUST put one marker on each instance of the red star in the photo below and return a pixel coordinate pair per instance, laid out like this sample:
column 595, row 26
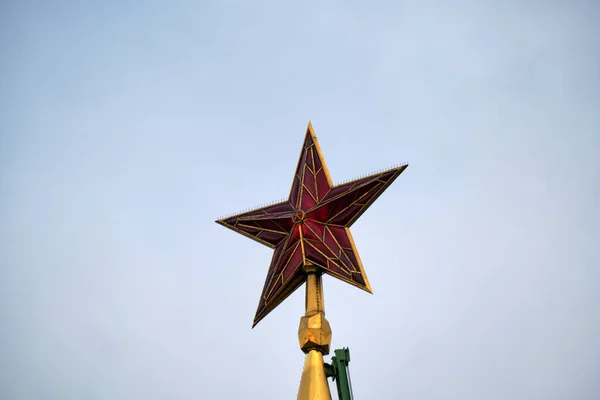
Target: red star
column 312, row 226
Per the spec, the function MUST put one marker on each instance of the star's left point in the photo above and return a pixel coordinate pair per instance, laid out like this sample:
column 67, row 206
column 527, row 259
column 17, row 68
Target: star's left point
column 267, row 225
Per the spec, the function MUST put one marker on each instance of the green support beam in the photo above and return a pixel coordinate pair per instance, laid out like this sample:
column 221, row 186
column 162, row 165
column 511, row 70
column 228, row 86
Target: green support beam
column 339, row 371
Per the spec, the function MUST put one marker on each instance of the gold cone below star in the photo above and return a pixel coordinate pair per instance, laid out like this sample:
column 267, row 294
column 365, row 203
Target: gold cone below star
column 313, row 385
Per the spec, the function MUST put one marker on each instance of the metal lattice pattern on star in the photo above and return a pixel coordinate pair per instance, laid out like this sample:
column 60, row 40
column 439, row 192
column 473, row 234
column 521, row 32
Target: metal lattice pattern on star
column 312, row 226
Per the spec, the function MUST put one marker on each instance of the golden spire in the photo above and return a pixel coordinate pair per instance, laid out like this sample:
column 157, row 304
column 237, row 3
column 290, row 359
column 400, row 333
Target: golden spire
column 314, row 335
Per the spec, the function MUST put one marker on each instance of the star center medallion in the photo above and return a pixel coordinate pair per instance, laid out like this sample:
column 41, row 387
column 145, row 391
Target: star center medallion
column 299, row 217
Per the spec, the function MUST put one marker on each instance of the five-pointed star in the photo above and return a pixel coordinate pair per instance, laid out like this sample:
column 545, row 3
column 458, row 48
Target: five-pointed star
column 312, row 226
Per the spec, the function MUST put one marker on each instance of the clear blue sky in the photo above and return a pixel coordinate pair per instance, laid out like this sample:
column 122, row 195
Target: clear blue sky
column 127, row 128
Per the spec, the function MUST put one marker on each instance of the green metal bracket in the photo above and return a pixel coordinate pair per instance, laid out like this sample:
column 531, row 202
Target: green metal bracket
column 339, row 371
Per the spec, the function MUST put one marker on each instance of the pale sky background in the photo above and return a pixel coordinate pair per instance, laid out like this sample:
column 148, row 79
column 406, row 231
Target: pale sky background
column 128, row 127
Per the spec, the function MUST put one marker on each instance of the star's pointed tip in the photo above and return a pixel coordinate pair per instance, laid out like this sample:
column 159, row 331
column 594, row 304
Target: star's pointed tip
column 309, row 129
